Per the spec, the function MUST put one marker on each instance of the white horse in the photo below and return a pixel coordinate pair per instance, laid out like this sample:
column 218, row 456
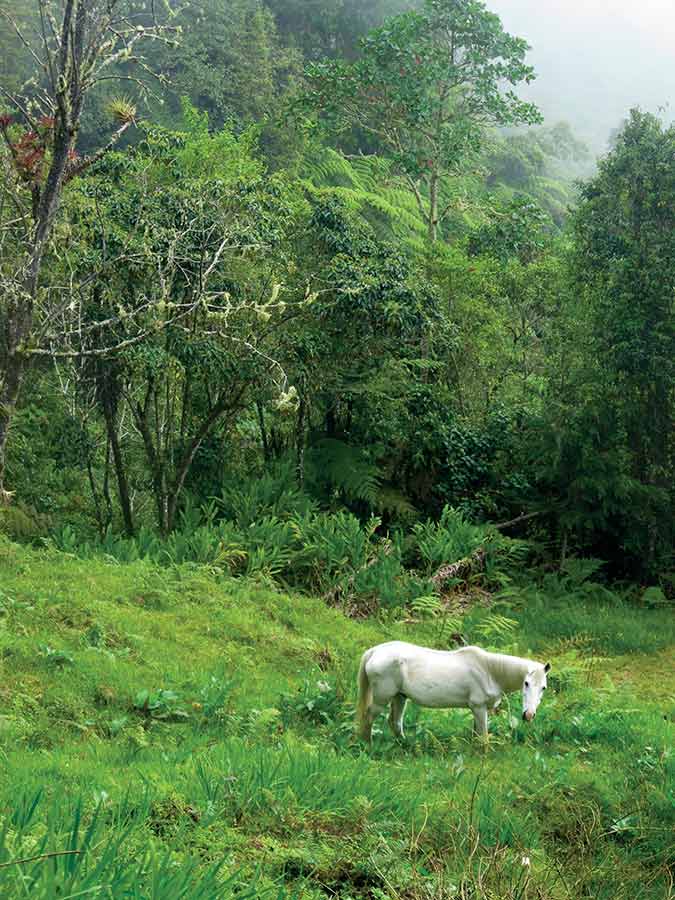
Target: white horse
column 471, row 678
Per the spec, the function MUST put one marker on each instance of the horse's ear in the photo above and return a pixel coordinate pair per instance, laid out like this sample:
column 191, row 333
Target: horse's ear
column 547, row 667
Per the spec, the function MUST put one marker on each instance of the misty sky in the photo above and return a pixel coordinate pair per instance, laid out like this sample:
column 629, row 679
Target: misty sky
column 597, row 58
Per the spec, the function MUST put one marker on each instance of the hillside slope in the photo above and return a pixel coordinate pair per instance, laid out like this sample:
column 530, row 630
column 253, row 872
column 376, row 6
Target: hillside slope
column 171, row 733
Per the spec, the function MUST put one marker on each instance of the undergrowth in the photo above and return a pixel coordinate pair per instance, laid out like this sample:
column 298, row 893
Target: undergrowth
column 270, row 531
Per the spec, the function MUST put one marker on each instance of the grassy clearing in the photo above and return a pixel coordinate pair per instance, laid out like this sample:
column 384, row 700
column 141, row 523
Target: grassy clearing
column 190, row 736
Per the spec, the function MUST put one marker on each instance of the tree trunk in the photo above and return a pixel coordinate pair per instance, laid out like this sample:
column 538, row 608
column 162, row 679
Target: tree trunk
column 157, row 465
column 13, row 375
column 433, row 208
column 106, row 487
column 300, row 441
column 225, row 404
column 267, row 456
column 19, row 323
column 94, row 495
column 121, row 475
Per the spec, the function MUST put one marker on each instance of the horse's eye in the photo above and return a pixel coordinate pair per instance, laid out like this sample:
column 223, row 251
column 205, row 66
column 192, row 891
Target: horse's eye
column 544, row 688
column 527, row 684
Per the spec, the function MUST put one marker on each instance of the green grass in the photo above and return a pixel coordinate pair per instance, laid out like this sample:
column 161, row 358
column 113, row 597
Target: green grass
column 183, row 735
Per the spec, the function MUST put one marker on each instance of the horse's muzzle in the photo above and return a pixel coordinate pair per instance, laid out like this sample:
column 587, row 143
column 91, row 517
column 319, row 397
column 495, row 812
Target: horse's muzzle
column 528, row 716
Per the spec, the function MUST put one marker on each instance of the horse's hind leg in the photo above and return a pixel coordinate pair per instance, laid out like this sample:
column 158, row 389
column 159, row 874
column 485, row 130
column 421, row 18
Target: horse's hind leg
column 372, row 713
column 396, row 711
column 384, row 691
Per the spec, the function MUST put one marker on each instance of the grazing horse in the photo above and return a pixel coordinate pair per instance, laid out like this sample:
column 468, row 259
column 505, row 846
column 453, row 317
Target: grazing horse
column 472, row 678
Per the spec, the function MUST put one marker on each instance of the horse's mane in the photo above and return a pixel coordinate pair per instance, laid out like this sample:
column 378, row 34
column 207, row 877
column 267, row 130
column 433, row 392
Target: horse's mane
column 508, row 671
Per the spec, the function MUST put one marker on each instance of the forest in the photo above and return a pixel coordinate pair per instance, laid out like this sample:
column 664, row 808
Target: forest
column 316, row 332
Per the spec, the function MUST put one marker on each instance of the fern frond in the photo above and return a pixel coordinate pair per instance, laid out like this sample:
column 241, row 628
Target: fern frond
column 393, row 501
column 347, row 470
column 426, row 607
column 496, row 626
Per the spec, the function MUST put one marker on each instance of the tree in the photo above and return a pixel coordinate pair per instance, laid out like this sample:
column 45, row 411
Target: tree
column 350, row 350
column 602, row 453
column 183, row 298
column 78, row 44
column 425, row 88
column 625, row 267
column 230, row 62
column 331, row 28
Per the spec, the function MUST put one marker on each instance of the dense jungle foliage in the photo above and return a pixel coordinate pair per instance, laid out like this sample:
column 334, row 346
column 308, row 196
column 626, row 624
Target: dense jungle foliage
column 314, row 334
column 324, row 251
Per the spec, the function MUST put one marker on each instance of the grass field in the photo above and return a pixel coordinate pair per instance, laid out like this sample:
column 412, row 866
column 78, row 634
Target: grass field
column 169, row 733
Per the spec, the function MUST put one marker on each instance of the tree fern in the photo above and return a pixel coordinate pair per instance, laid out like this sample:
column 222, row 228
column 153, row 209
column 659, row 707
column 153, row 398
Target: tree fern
column 367, row 186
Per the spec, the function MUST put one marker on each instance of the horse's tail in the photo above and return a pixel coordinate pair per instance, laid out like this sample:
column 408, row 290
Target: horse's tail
column 365, row 698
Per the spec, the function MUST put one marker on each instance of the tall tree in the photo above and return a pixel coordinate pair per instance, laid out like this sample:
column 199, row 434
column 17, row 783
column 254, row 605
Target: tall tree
column 331, row 28
column 230, row 63
column 625, row 263
column 173, row 242
column 78, row 44
column 425, row 88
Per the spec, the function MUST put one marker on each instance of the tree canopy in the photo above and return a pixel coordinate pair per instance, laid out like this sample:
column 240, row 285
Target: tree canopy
column 425, row 87
column 330, row 249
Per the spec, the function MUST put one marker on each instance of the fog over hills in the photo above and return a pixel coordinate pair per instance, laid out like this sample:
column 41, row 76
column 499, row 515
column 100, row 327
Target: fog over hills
column 595, row 59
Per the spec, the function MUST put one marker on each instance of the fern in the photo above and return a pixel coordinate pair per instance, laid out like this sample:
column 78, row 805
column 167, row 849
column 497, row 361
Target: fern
column 365, row 184
column 334, row 547
column 346, row 469
column 368, row 185
column 449, row 540
column 578, row 571
column 393, row 501
column 427, row 606
column 345, row 472
column 495, row 627
column 271, row 494
column 270, row 546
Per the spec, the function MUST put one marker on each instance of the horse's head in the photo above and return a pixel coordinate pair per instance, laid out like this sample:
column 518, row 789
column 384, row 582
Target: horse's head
column 533, row 690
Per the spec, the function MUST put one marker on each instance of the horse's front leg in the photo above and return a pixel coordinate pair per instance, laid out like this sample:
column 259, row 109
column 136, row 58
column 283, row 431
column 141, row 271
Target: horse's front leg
column 480, row 721
column 396, row 712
